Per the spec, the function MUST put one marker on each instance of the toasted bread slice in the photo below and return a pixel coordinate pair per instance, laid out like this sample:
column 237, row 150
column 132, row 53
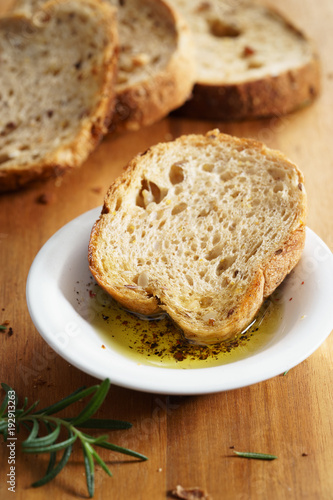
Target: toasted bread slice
column 57, row 87
column 251, row 61
column 203, row 228
column 156, row 63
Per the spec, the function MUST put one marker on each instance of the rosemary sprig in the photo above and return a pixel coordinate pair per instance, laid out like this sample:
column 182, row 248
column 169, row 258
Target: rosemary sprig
column 45, row 428
column 258, row 456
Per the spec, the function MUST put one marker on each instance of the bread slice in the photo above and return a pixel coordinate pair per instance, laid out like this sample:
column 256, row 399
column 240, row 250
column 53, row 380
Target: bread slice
column 56, row 87
column 251, row 61
column 203, row 228
column 156, row 63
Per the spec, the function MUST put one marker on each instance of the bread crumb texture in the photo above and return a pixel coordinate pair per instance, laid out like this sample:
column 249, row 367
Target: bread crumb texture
column 203, row 228
column 58, row 64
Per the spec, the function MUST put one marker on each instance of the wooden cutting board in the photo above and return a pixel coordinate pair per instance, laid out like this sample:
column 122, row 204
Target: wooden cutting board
column 189, row 440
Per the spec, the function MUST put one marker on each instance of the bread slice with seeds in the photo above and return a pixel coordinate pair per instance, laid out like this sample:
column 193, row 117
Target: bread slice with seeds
column 156, row 63
column 251, row 61
column 56, row 87
column 203, row 228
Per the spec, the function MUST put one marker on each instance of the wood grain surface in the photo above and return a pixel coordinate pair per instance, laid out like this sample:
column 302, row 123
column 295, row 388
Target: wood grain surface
column 188, row 440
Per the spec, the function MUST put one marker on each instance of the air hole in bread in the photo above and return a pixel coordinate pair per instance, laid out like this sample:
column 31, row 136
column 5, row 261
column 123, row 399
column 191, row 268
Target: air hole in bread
column 203, row 212
column 178, row 189
column 224, row 264
column 202, row 273
column 176, row 174
column 189, row 279
column 221, row 29
column 161, row 224
column 206, row 301
column 254, row 64
column 216, row 238
column 118, row 204
column 148, row 193
column 278, row 187
column 208, row 167
column 276, row 173
column 178, row 208
column 215, row 252
column 227, row 176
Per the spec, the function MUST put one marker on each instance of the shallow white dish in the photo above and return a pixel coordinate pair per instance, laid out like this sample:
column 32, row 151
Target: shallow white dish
column 57, row 315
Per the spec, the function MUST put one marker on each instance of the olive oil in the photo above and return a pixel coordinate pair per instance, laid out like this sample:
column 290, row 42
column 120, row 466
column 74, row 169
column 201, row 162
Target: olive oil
column 159, row 342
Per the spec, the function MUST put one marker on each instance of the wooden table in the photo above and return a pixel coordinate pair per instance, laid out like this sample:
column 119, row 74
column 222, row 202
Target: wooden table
column 188, row 440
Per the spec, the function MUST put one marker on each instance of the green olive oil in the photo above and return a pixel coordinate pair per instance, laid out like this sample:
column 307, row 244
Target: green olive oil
column 159, row 342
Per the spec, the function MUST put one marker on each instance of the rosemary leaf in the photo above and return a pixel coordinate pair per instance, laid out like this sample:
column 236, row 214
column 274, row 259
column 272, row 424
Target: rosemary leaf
column 258, row 456
column 89, row 466
column 68, row 400
column 29, row 410
column 55, row 470
column 120, row 449
column 33, row 442
column 33, row 433
column 53, row 455
column 100, row 423
column 50, row 448
column 93, row 404
column 101, row 462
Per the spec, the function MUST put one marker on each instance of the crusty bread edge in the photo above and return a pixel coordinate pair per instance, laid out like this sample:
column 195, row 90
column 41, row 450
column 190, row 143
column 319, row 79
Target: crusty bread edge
column 277, row 265
column 148, row 101
column 270, row 96
column 93, row 128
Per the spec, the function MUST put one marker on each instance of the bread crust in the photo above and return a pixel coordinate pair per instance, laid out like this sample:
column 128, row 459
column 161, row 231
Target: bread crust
column 148, row 101
column 92, row 129
column 154, row 299
column 270, row 96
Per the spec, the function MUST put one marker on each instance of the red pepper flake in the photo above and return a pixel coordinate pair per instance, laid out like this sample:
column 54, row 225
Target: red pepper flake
column 290, row 299
column 125, row 323
column 103, row 346
column 248, row 51
column 302, row 283
column 92, row 294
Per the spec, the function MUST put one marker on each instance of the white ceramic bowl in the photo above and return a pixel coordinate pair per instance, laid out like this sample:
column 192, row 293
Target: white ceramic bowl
column 56, row 312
